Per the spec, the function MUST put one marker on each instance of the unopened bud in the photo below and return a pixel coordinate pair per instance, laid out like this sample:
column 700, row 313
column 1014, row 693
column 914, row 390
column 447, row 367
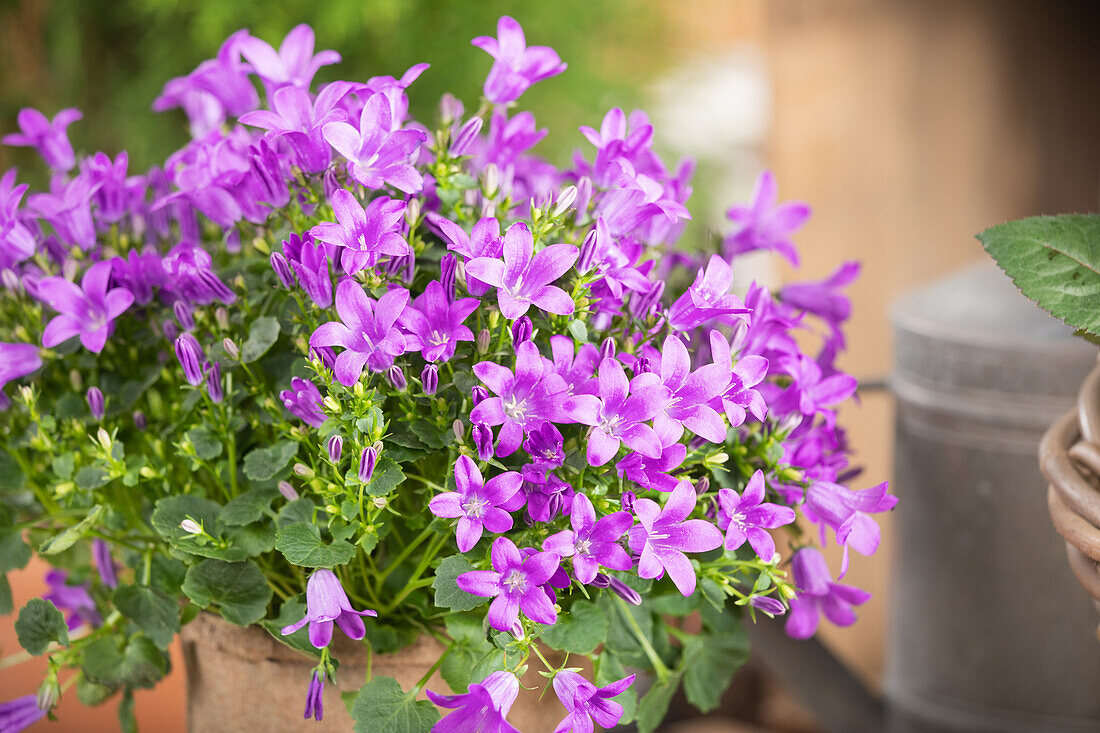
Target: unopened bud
column 287, row 491
column 282, row 269
column 458, row 429
column 367, row 461
column 450, row 109
column 483, row 441
column 184, row 315
column 331, row 405
column 214, row 382
column 478, row 394
column 483, row 338
column 429, row 379
column 522, row 330
column 396, row 377
column 104, row 438
column 335, row 446
column 379, row 502
column 230, row 349
column 490, row 180
column 565, row 199
column 303, row 471
column 95, row 402
column 448, row 269
column 221, row 317
column 190, row 526
column 465, row 137
column 140, row 421
column 412, row 212
column 608, row 349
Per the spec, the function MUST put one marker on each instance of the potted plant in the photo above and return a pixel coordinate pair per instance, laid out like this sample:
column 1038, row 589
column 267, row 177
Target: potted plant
column 353, row 401
column 1054, row 261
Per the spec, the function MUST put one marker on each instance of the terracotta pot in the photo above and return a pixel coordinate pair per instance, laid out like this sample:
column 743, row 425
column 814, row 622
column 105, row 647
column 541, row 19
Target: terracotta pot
column 1070, row 458
column 241, row 679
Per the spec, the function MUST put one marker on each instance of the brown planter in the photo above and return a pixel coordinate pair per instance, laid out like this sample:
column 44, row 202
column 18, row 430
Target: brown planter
column 1069, row 455
column 240, row 679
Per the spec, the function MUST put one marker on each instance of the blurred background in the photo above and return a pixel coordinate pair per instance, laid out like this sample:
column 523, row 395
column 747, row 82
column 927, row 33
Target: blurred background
column 909, row 125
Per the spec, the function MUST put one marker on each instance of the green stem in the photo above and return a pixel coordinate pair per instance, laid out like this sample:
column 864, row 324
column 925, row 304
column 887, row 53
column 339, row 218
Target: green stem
column 658, row 666
column 424, row 680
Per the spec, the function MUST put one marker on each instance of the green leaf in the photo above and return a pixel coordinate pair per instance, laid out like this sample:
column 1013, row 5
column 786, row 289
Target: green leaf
column 263, row 464
column 170, row 511
column 469, row 648
column 382, row 707
column 261, row 337
column 710, row 662
column 579, row 331
column 291, row 612
column 6, row 605
column 447, row 592
column 61, row 542
column 92, row 693
column 167, row 574
column 253, row 540
column 494, row 661
column 151, row 610
column 63, row 466
column 90, row 478
column 620, row 635
column 12, row 478
column 239, row 589
column 134, row 662
column 653, row 707
column 387, row 476
column 578, row 632
column 299, row 510
column 1055, row 261
column 301, row 545
column 247, row 507
column 386, row 639
column 40, row 623
column 207, row 446
column 14, row 552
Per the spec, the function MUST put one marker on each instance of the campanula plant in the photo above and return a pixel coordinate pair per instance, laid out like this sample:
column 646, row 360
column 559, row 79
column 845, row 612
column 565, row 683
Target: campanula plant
column 336, row 372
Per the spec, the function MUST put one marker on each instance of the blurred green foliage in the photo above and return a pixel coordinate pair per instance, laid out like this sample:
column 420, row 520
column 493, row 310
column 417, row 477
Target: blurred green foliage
column 110, row 58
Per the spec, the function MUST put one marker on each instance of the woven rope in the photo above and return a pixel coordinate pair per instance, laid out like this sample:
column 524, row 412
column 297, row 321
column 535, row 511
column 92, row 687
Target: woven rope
column 1069, row 455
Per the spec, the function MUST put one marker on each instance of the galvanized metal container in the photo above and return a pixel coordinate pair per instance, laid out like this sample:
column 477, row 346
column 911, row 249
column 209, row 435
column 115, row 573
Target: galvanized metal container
column 989, row 629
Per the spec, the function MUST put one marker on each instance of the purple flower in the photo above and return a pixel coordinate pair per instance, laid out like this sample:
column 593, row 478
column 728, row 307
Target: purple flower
column 395, row 375
column 534, row 394
column 190, row 276
column 214, row 382
column 745, row 517
column 139, row 273
column 514, row 583
column 190, row 356
column 480, row 710
column 433, row 325
column 762, row 224
column 101, row 553
column 483, row 241
column 663, row 535
column 365, row 234
column 522, row 330
column 367, row 331
column 546, row 494
column 586, row 703
column 87, row 311
column 621, row 414
column 303, row 400
column 21, row 713
column 688, row 395
column 16, row 241
column 478, row 503
column 770, row 606
column 68, row 207
column 653, row 473
column 740, row 399
column 298, row 120
column 576, row 367
column 94, row 397
column 294, row 63
column 819, row 594
column 707, row 298
column 112, row 188
column 377, row 153
column 17, row 360
column 465, row 137
column 482, row 436
column 545, row 446
column 315, row 697
column 592, row 543
column 524, row 279
column 72, row 600
column 429, row 379
column 311, row 266
column 368, row 459
column 848, row 513
column 46, row 136
column 516, row 66
column 808, row 392
column 326, row 602
column 282, row 270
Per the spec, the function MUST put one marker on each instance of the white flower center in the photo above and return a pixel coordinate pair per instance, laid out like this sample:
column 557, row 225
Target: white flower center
column 515, row 409
column 584, row 547
column 475, row 507
column 516, row 582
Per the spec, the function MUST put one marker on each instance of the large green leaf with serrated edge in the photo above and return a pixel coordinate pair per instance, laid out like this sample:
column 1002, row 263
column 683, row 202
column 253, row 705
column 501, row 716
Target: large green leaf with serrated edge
column 263, row 464
column 710, row 662
column 447, row 592
column 261, row 336
column 40, row 623
column 239, row 589
column 1055, row 261
column 578, row 632
column 151, row 610
column 382, row 707
column 301, row 545
column 653, row 707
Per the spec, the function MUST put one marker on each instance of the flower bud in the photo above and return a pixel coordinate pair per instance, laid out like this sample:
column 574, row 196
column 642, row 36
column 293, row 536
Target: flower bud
column 702, row 486
column 221, row 317
column 465, row 137
column 650, row 300
column 450, row 109
column 301, row 470
column 11, row 281
column 104, row 439
column 584, row 196
column 483, row 339
column 76, row 379
column 190, row 357
column 483, row 440
column 448, row 269
column 214, row 382
column 624, row 591
column 335, row 446
column 770, row 606
column 458, row 429
column 396, row 377
column 170, row 330
column 601, row 581
column 95, row 402
column 522, row 330
column 140, row 421
column 627, row 501
column 565, row 199
column 329, row 183
column 325, row 355
column 478, row 393
column 379, row 502
column 184, row 315
column 608, row 348
column 490, row 180
column 331, row 404
column 190, row 526
column 233, row 241
column 48, row 695
column 366, row 463
column 642, row 365
column 412, row 212
column 429, row 379
column 282, row 269
column 287, row 491
column 589, row 248
column 230, row 349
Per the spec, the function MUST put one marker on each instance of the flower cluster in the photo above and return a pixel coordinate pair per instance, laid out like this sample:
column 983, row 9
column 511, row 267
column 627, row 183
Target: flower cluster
column 330, row 358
